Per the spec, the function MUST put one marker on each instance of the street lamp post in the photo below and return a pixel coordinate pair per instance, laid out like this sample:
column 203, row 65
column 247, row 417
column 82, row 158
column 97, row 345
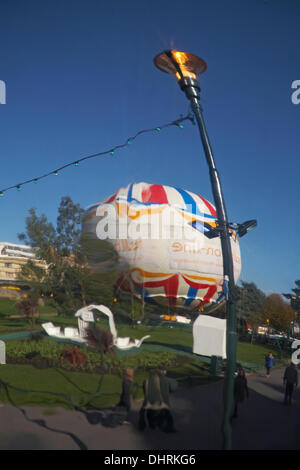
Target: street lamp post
column 186, row 67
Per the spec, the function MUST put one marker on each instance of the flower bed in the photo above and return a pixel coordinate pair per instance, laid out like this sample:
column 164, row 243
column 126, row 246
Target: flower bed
column 45, row 353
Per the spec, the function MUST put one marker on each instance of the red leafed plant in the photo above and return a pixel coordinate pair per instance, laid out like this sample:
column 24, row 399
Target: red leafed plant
column 73, row 355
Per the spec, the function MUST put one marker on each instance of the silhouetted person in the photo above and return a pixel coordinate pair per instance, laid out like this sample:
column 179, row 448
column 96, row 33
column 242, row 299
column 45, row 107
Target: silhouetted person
column 240, row 390
column 157, row 388
column 290, row 380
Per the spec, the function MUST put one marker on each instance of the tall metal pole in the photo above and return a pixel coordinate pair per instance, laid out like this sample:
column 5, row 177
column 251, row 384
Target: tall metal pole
column 192, row 90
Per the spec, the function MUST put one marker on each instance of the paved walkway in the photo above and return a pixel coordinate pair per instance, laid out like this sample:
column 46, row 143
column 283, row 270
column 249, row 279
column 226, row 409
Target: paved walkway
column 264, row 423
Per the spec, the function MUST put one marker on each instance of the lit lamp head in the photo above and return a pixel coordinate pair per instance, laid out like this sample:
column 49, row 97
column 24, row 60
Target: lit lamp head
column 184, row 66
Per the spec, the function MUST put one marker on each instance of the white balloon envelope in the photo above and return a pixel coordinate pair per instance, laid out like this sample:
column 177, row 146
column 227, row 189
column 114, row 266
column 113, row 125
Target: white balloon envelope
column 161, row 236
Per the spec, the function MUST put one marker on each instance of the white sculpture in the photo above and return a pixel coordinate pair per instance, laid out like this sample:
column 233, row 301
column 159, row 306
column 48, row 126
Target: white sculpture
column 85, row 316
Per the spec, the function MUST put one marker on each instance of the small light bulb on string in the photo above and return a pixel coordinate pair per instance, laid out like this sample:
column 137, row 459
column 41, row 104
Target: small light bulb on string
column 56, row 172
column 36, row 180
column 76, row 163
column 1, row 193
column 178, row 124
column 18, row 188
column 112, row 153
column 158, row 129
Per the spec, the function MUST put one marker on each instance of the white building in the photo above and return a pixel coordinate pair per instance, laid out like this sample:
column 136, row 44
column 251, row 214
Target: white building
column 12, row 258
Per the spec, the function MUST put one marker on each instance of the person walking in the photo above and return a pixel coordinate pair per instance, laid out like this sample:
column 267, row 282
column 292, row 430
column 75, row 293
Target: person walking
column 290, row 380
column 125, row 398
column 157, row 388
column 269, row 362
column 240, row 390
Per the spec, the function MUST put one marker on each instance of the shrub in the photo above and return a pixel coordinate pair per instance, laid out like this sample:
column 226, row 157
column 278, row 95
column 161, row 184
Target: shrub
column 105, row 337
column 36, row 336
column 73, row 355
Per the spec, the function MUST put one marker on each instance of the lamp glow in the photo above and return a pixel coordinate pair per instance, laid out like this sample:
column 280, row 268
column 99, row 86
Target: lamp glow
column 180, row 64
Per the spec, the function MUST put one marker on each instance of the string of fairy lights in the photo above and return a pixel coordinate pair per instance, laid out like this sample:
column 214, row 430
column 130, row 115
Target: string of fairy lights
column 111, row 152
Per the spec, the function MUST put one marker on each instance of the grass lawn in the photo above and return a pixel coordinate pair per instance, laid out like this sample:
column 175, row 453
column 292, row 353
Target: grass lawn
column 76, row 384
column 80, row 385
column 180, row 339
column 256, row 353
column 9, row 307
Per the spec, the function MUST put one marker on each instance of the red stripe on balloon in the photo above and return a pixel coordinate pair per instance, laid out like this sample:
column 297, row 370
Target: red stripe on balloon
column 210, row 293
column 123, row 284
column 212, row 289
column 197, row 285
column 170, row 286
column 112, row 198
column 155, row 193
column 209, row 206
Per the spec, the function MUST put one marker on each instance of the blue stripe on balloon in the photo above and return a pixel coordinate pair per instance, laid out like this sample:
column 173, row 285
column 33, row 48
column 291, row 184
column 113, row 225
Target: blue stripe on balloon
column 139, row 290
column 202, row 214
column 187, row 198
column 129, row 196
column 189, row 202
column 191, row 295
column 141, row 203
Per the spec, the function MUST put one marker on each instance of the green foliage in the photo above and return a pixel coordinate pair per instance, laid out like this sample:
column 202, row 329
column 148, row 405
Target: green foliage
column 279, row 313
column 68, row 230
column 295, row 298
column 31, row 351
column 40, row 233
column 28, row 308
column 68, row 280
column 249, row 303
column 100, row 254
column 136, row 311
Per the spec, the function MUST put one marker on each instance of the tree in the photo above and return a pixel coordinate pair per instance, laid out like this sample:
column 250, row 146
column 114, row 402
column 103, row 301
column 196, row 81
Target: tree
column 279, row 313
column 249, row 303
column 29, row 309
column 295, row 298
column 67, row 281
column 40, row 234
column 68, row 228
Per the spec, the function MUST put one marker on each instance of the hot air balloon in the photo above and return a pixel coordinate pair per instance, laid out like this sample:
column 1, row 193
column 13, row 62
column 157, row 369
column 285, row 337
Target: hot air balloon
column 163, row 236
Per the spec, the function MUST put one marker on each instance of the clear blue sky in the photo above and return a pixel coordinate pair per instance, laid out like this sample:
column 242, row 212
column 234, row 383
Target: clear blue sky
column 80, row 79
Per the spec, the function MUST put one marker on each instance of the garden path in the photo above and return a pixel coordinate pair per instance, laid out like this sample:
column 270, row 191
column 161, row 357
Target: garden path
column 264, row 423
